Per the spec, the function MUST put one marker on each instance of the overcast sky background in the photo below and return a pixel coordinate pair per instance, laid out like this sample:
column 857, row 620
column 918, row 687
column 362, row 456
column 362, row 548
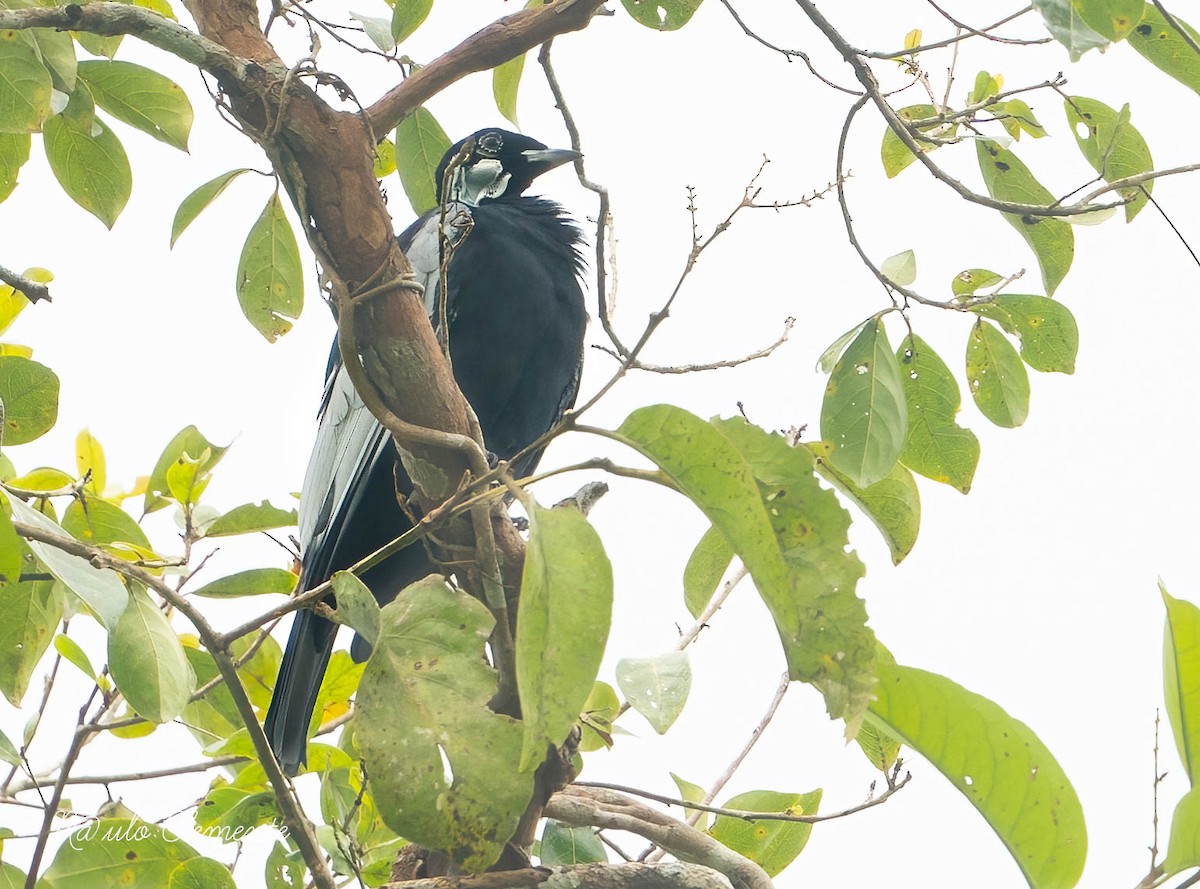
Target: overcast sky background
column 1037, row 590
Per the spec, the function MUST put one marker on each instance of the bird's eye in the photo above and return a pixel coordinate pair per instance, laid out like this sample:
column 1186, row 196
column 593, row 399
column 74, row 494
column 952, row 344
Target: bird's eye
column 490, row 144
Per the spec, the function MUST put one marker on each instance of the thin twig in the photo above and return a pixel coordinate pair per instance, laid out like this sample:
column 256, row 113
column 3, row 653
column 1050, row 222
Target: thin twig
column 32, row 290
column 1179, row 28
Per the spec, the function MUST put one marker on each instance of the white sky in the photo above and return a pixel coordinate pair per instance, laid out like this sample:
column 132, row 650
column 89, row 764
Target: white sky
column 1037, row 590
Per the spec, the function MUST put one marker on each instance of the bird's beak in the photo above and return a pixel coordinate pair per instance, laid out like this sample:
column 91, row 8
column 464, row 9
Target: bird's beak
column 544, row 159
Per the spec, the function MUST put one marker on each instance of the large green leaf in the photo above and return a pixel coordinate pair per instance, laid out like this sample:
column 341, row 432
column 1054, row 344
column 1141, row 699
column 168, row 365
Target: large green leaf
column 25, row 85
column 141, row 98
column 443, row 767
column 58, row 53
column 1181, row 679
column 270, row 275
column 1111, row 144
column 29, row 612
column 1112, row 19
column 87, row 159
column 251, row 517
column 863, row 415
column 147, row 661
column 1067, row 26
column 563, row 845
column 1047, row 329
column 253, row 582
column 407, row 16
column 663, row 15
column 790, row 533
column 1165, row 48
column 97, row 521
column 13, row 552
column 118, row 852
column 656, row 687
column 935, row 446
column 1008, row 179
column 195, row 203
column 29, row 393
column 996, row 376
column 892, row 503
column 420, row 144
column 562, row 625
column 1183, row 848
column 772, row 845
column 14, row 152
column 997, row 762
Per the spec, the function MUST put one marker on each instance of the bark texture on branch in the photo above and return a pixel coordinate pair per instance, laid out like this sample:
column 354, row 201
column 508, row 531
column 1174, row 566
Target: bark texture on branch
column 632, row 875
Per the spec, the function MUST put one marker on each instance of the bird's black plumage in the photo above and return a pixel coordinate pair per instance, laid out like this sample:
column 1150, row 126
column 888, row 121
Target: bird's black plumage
column 516, row 321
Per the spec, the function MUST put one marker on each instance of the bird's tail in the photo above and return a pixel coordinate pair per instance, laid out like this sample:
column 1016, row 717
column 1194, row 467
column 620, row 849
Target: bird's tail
column 304, row 662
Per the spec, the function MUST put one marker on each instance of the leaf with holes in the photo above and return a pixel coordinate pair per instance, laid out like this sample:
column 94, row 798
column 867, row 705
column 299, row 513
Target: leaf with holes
column 443, row 766
column 270, row 277
column 1164, row 47
column 1112, row 146
column 1008, row 179
column 772, row 845
column 935, row 445
column 996, row 376
column 969, row 281
column 87, row 159
column 142, row 98
column 25, row 85
column 996, row 762
column 29, row 394
column 1047, row 329
column 863, row 415
column 420, row 144
column 657, row 687
column 662, row 15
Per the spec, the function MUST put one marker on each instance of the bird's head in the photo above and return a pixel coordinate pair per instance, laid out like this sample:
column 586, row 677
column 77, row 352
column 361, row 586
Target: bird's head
column 501, row 164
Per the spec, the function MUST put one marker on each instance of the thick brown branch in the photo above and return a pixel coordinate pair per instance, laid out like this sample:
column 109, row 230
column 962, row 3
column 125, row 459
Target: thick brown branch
column 494, row 45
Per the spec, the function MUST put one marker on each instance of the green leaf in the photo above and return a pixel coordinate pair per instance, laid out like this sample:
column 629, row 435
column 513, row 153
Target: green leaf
column 900, row 269
column 662, row 15
column 284, row 870
column 969, row 281
column 895, row 154
column 1162, row 46
column 506, row 80
column 385, row 158
column 1066, row 25
column 97, row 45
column 692, row 793
column 1008, row 179
column 879, row 746
column 566, row 846
column 935, row 446
column 29, row 393
column 420, row 144
column 407, row 16
column 1112, row 146
column 772, row 845
column 789, row 532
column 202, row 873
column 57, row 50
column 270, row 278
column 89, row 461
column 196, row 202
column 1113, row 19
column 87, row 159
column 892, row 503
column 25, row 85
column 12, row 551
column 117, row 852
column 1047, row 329
column 29, row 612
column 563, row 620
column 705, row 568
column 1183, row 849
column 14, row 152
column 379, row 32
column 863, row 413
column 251, row 517
column 657, row 687
column 599, row 710
column 834, row 350
column 215, row 717
column 356, row 606
column 100, row 588
column 1017, row 117
column 341, row 681
column 997, row 762
column 231, row 813
column 11, row 877
column 253, row 582
column 424, row 697
column 142, row 98
column 987, row 86
column 996, row 377
column 147, row 661
column 10, row 755
column 97, row 521
column 188, row 445
column 69, row 649
column 1181, row 679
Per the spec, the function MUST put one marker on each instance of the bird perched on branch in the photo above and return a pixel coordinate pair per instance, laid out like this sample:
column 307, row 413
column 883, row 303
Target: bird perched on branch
column 515, row 316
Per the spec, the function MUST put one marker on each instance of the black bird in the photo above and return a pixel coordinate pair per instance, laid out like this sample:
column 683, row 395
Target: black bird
column 516, row 321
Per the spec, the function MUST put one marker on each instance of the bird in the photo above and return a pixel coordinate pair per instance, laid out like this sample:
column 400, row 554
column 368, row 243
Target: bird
column 515, row 325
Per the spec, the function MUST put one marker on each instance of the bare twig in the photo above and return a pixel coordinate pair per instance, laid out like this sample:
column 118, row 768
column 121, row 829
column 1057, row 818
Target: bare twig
column 33, row 290
column 713, row 365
